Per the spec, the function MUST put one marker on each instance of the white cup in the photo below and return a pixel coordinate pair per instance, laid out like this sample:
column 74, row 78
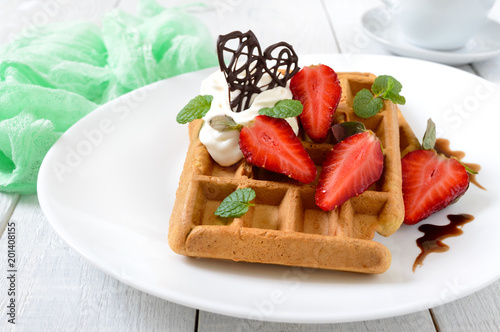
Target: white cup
column 440, row 24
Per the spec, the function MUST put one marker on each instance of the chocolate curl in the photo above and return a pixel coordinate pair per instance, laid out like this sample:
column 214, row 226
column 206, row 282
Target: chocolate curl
column 247, row 65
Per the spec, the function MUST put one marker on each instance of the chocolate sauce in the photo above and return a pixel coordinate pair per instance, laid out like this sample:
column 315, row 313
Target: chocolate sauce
column 443, row 146
column 248, row 64
column 434, row 234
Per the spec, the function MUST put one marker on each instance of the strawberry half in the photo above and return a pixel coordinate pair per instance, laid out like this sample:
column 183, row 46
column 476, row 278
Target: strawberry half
column 270, row 143
column 431, row 182
column 349, row 169
column 318, row 89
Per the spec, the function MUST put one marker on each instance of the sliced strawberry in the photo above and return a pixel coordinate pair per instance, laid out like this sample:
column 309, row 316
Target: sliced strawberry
column 430, row 183
column 318, row 89
column 270, row 143
column 349, row 169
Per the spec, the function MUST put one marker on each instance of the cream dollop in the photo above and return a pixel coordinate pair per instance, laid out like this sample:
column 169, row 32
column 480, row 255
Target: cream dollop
column 223, row 146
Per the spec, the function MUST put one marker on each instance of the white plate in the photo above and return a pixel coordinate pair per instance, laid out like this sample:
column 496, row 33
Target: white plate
column 108, row 186
column 380, row 24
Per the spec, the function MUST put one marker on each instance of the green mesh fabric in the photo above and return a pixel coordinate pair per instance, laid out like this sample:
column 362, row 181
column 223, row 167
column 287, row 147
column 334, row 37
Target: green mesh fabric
column 52, row 77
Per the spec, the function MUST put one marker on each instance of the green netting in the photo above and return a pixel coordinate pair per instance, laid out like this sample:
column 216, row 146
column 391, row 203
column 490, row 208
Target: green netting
column 52, row 77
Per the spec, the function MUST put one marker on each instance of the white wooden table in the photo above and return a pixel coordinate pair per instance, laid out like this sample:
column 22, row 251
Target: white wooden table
column 57, row 290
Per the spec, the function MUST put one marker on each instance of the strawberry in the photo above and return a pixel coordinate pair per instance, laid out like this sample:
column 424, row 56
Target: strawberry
column 349, row 169
column 318, row 89
column 430, row 183
column 270, row 143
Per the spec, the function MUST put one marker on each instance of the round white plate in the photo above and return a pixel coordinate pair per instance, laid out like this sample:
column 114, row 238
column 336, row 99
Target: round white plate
column 108, row 186
column 381, row 24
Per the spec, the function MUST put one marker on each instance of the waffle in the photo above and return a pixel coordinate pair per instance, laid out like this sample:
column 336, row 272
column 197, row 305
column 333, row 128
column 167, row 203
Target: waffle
column 285, row 226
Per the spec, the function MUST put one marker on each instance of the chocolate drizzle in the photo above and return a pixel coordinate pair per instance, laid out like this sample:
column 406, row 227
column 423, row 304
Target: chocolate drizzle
column 431, row 241
column 443, row 146
column 248, row 65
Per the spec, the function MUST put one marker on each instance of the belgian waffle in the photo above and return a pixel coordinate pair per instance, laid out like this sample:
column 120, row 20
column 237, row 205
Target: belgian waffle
column 285, row 226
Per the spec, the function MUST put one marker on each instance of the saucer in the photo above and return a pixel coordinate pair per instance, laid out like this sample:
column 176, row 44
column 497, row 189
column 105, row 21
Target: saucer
column 380, row 24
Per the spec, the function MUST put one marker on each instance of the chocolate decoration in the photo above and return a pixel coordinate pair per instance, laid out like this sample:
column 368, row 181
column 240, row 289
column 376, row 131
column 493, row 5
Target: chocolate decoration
column 431, row 241
column 248, row 65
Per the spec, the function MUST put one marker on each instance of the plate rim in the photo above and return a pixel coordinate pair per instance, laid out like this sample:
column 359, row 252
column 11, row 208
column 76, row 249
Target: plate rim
column 176, row 297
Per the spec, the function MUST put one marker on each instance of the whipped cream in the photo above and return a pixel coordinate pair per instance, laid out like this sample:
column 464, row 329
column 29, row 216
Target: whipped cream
column 223, row 146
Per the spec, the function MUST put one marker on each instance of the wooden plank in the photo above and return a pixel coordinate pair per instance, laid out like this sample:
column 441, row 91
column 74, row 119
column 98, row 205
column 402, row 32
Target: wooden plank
column 477, row 312
column 57, row 290
column 300, row 23
column 345, row 18
column 303, row 24
column 8, row 203
column 420, row 321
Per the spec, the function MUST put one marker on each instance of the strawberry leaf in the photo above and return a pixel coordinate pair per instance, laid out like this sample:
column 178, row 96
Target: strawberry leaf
column 236, row 204
column 195, row 109
column 286, row 108
column 223, row 123
column 468, row 168
column 366, row 105
column 429, row 139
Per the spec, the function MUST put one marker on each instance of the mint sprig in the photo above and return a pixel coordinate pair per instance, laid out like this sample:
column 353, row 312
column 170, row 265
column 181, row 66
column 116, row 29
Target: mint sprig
column 388, row 87
column 236, row 204
column 195, row 109
column 367, row 103
column 286, row 108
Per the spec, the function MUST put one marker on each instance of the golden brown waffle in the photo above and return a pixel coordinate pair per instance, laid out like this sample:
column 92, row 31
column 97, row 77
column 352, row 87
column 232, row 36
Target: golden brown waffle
column 285, row 226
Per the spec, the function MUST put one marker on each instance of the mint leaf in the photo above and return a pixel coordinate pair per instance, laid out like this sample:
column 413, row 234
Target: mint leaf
column 429, row 139
column 366, row 105
column 236, row 204
column 286, row 108
column 195, row 109
column 396, row 99
column 224, row 122
column 387, row 87
column 382, row 84
column 345, row 129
